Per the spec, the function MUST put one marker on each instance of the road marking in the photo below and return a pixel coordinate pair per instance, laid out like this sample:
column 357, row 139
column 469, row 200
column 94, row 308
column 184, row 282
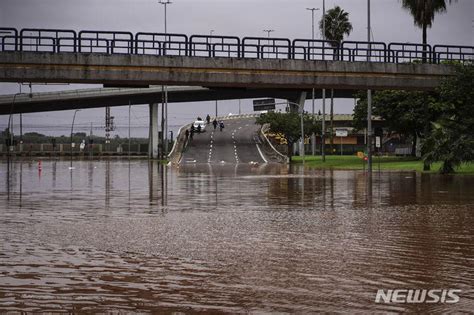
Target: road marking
column 261, row 154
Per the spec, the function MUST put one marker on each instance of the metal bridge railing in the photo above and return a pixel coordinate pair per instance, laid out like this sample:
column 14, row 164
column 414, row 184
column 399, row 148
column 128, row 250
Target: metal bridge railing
column 214, row 46
column 211, row 46
column 161, row 44
column 308, row 49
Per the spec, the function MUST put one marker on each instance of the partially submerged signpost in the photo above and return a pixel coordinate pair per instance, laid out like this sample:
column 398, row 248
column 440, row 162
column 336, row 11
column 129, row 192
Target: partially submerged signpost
column 341, row 133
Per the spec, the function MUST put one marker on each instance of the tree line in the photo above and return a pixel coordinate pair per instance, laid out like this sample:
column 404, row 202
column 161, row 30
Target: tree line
column 442, row 120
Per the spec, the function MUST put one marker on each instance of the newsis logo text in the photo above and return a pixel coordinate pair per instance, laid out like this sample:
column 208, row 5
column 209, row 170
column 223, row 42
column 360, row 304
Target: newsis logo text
column 417, row 296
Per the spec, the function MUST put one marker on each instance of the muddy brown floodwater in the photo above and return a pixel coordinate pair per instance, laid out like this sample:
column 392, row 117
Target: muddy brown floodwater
column 139, row 237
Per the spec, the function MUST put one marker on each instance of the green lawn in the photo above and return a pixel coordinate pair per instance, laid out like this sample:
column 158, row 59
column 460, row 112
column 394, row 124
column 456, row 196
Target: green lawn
column 386, row 163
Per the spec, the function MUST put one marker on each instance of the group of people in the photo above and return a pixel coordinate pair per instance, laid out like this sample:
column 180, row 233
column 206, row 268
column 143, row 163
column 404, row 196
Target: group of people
column 214, row 122
column 189, row 133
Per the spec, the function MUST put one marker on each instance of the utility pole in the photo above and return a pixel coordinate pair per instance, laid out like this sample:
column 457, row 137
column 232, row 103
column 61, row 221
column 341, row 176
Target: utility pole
column 323, row 132
column 129, row 131
column 90, row 142
column 268, row 41
column 165, row 88
column 369, row 101
column 313, row 138
column 72, row 130
column 210, row 43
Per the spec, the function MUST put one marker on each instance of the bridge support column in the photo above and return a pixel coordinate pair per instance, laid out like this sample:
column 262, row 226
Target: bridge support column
column 299, row 100
column 153, row 132
column 298, row 106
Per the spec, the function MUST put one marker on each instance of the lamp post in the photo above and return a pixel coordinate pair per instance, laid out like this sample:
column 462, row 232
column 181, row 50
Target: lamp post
column 72, row 129
column 10, row 121
column 165, row 88
column 268, row 41
column 369, row 101
column 313, row 138
column 323, row 127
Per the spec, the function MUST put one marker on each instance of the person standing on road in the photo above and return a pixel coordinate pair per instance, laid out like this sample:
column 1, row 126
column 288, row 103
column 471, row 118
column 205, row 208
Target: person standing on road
column 199, row 129
column 214, row 123
column 208, row 119
column 221, row 125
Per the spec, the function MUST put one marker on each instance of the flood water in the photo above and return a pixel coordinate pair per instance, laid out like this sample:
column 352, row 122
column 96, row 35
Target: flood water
column 139, row 237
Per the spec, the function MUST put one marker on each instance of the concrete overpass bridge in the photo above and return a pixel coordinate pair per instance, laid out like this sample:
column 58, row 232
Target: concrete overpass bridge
column 141, row 59
column 229, row 67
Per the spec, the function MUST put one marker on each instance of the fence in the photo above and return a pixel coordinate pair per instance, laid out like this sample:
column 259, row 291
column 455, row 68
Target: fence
column 47, row 149
column 210, row 46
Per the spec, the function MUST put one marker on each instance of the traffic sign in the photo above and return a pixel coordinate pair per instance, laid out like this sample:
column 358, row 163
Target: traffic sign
column 264, row 104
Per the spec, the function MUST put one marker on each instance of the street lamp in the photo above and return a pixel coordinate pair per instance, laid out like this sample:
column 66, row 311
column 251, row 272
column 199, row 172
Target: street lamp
column 323, row 127
column 165, row 88
column 369, row 101
column 312, row 20
column 72, row 129
column 313, row 144
column 268, row 41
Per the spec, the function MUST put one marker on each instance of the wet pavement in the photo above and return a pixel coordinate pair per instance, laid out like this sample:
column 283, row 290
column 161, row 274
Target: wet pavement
column 137, row 236
column 236, row 143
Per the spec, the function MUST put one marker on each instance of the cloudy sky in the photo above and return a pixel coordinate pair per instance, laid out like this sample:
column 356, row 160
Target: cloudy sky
column 390, row 23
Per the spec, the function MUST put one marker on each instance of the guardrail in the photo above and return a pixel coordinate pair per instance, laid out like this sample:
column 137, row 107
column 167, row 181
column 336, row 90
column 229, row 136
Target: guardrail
column 210, row 46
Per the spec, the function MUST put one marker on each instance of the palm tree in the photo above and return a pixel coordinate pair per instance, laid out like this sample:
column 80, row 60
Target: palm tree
column 336, row 24
column 423, row 12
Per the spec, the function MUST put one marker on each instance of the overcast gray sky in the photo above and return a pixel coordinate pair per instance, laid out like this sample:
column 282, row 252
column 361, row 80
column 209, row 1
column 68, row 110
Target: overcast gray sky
column 390, row 23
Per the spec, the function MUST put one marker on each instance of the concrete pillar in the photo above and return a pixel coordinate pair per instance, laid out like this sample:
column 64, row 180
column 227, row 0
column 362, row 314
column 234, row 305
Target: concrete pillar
column 153, row 132
column 300, row 100
column 297, row 104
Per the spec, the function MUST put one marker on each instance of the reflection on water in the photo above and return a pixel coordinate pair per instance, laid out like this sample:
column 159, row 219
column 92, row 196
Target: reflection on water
column 140, row 236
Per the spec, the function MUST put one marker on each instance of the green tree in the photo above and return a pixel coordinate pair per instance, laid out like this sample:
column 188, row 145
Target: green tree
column 335, row 24
column 407, row 113
column 423, row 12
column 452, row 140
column 289, row 125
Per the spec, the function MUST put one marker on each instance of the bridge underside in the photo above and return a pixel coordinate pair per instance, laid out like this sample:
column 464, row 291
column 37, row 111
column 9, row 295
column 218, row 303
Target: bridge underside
column 140, row 70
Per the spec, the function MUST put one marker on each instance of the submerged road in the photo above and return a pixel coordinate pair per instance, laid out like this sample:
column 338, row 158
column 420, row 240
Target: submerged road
column 236, row 143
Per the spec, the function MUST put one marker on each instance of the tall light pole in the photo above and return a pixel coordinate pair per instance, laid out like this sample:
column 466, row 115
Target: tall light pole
column 312, row 20
column 72, row 130
column 210, row 39
column 323, row 132
column 165, row 3
column 268, row 41
column 165, row 89
column 313, row 138
column 369, row 101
